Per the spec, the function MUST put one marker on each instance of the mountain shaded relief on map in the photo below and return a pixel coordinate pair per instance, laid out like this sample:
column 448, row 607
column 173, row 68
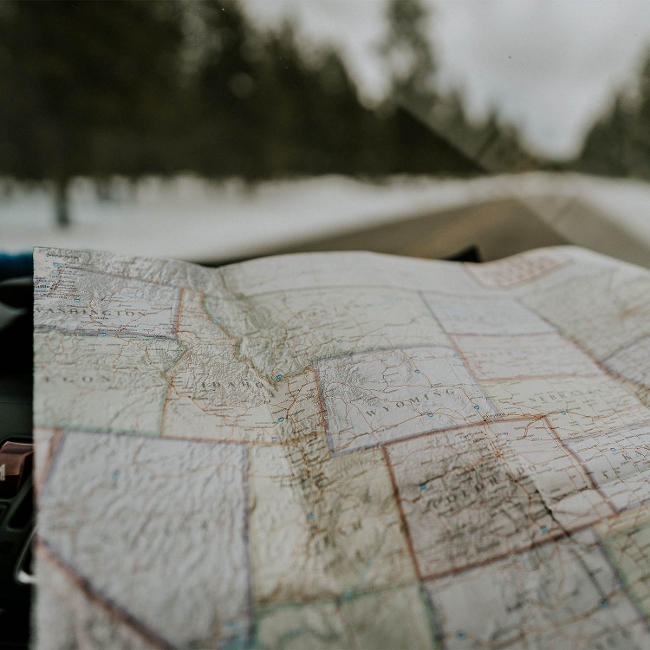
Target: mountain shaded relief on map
column 342, row 450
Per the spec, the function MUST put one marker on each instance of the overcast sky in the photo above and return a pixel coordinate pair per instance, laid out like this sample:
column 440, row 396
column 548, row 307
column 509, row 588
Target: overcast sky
column 550, row 66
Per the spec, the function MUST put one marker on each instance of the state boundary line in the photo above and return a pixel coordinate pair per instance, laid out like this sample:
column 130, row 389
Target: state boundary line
column 102, row 601
column 565, row 533
column 398, row 503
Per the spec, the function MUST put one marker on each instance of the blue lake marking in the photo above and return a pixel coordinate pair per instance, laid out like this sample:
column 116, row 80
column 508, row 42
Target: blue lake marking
column 280, row 419
column 544, row 529
column 274, row 439
column 476, row 408
column 613, row 449
column 310, row 516
column 563, row 412
column 509, row 442
column 423, row 487
column 102, row 334
column 346, row 595
column 340, row 341
column 55, row 264
column 430, row 415
column 417, row 372
column 116, row 473
column 603, row 602
column 77, row 300
column 461, row 635
column 278, row 376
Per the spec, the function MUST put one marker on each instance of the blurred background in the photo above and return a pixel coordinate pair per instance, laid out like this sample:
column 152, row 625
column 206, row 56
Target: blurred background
column 215, row 130
column 218, row 130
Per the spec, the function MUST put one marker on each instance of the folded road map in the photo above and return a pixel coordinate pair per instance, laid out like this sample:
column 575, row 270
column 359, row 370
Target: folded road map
column 335, row 450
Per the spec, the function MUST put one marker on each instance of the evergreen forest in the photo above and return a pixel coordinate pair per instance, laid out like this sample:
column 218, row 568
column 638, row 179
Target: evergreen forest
column 135, row 88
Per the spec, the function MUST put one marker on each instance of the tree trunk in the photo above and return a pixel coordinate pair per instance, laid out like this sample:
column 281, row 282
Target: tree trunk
column 62, row 203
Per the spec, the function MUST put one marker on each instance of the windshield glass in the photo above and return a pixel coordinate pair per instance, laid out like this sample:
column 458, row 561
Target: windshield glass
column 118, row 114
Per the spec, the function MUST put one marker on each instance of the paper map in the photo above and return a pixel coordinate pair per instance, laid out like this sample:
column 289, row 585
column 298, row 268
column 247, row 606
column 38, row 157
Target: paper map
column 342, row 450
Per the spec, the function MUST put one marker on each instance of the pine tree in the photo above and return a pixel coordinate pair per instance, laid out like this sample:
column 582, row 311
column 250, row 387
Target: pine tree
column 461, row 146
column 408, row 53
column 88, row 88
column 267, row 109
column 619, row 143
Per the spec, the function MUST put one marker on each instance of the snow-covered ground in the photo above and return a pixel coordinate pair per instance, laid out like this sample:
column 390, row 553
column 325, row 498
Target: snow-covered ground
column 194, row 219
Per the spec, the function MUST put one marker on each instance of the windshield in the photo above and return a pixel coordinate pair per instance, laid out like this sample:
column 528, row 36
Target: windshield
column 121, row 113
